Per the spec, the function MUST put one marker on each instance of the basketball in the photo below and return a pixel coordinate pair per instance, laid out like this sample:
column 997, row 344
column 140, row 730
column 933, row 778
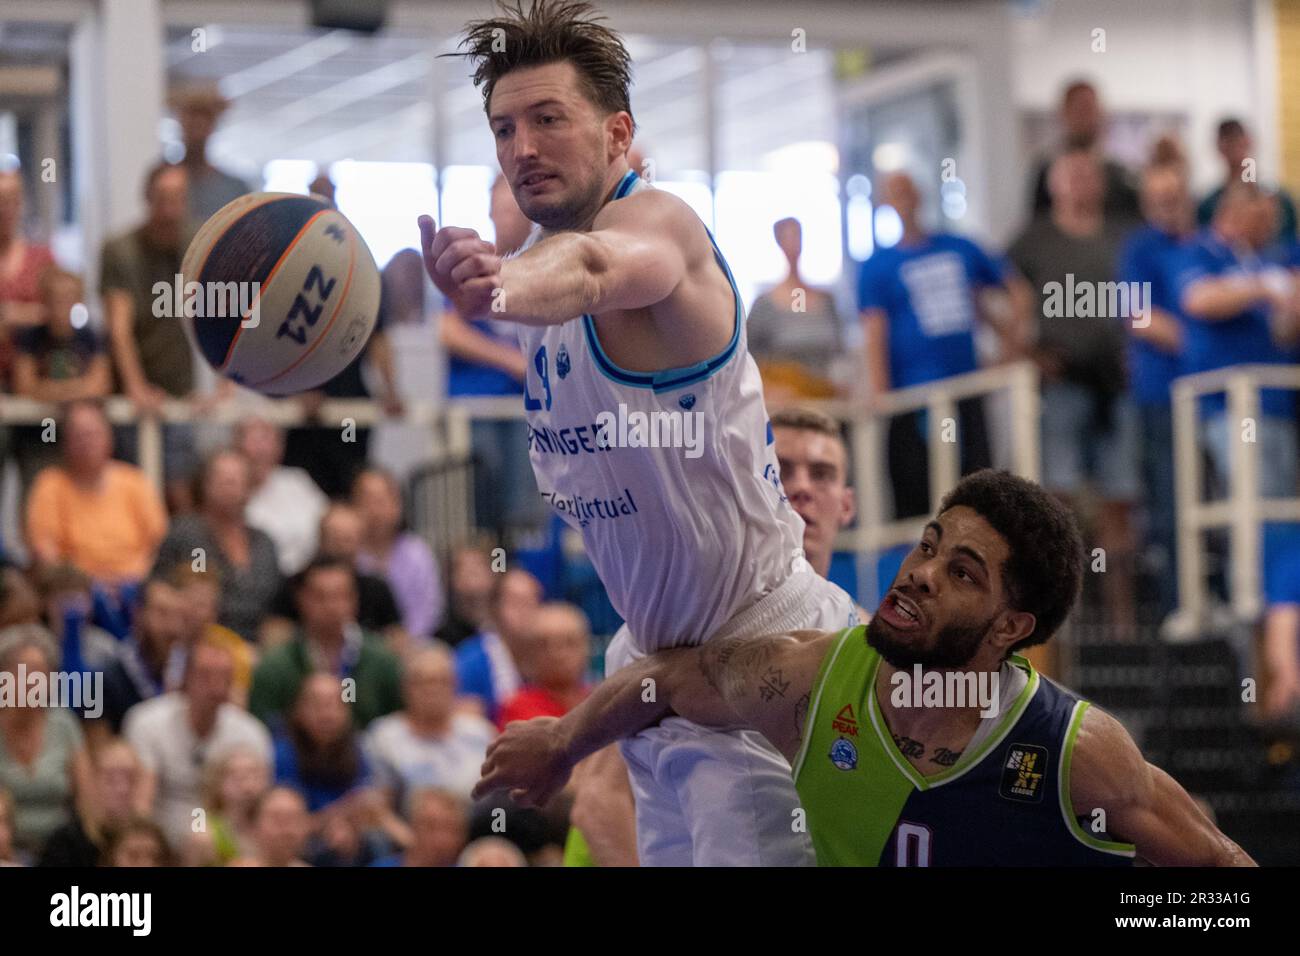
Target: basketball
column 280, row 292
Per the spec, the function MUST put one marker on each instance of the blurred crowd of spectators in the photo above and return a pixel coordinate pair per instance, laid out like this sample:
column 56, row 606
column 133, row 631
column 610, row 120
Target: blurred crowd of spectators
column 1119, row 282
column 331, row 709
column 290, row 675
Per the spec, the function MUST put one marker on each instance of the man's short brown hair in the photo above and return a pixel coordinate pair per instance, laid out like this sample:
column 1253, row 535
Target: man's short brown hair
column 804, row 419
column 808, row 420
column 551, row 31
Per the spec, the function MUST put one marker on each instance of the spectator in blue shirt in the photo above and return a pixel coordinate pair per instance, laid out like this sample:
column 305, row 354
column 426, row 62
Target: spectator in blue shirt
column 319, row 754
column 492, row 665
column 1242, row 309
column 919, row 302
column 1155, row 341
column 484, row 360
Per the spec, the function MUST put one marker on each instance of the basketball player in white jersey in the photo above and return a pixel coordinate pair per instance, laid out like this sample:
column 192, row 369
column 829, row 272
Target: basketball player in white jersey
column 628, row 313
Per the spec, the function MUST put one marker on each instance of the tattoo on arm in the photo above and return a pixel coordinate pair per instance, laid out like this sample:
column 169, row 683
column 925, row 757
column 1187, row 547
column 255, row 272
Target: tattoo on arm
column 733, row 665
column 773, row 684
column 801, row 713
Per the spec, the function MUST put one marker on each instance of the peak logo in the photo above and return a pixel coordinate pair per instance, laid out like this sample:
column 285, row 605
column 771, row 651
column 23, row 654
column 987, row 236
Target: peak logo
column 845, row 722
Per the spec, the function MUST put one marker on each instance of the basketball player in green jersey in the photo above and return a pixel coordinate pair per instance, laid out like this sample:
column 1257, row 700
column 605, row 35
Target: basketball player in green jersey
column 1042, row 778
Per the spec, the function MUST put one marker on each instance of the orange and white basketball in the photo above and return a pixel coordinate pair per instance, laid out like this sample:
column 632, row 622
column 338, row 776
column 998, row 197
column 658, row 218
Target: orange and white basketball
column 280, row 292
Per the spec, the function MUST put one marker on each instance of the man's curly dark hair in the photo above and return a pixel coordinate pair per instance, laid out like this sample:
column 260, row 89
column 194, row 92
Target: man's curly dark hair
column 1044, row 572
column 551, row 31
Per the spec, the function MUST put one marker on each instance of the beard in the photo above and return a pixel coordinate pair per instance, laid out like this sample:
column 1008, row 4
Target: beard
column 954, row 646
column 550, row 216
column 559, row 213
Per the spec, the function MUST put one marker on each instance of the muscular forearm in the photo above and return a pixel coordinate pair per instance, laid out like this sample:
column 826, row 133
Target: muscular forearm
column 1179, row 833
column 691, row 682
column 557, row 279
column 624, row 703
column 726, row 684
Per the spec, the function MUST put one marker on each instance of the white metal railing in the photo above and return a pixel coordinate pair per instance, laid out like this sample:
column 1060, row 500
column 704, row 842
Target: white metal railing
column 448, row 425
column 875, row 532
column 1244, row 510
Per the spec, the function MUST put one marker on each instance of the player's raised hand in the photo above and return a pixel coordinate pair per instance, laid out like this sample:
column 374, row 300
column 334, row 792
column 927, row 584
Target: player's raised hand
column 528, row 759
column 464, row 267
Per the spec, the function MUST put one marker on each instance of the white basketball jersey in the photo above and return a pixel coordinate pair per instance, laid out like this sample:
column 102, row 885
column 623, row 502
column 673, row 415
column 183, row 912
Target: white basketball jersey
column 671, row 477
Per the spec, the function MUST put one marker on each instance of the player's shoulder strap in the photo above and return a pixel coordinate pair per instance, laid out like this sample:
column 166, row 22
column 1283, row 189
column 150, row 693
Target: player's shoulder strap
column 630, row 183
column 843, row 673
column 1102, row 843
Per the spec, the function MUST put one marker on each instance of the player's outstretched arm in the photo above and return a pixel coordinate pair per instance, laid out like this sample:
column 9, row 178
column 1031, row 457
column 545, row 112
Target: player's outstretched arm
column 761, row 683
column 636, row 254
column 1143, row 804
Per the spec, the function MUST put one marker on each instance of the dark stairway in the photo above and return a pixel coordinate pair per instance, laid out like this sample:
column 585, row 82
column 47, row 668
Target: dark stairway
column 1183, row 705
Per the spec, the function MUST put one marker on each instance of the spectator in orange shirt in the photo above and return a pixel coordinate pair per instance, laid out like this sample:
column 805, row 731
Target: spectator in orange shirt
column 559, row 672
column 102, row 515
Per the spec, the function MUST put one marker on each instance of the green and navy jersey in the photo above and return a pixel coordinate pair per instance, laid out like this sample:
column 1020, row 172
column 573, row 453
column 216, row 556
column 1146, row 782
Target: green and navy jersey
column 1004, row 803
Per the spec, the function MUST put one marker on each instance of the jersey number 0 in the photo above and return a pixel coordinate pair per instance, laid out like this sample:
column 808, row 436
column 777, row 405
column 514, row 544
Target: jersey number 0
column 913, row 845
